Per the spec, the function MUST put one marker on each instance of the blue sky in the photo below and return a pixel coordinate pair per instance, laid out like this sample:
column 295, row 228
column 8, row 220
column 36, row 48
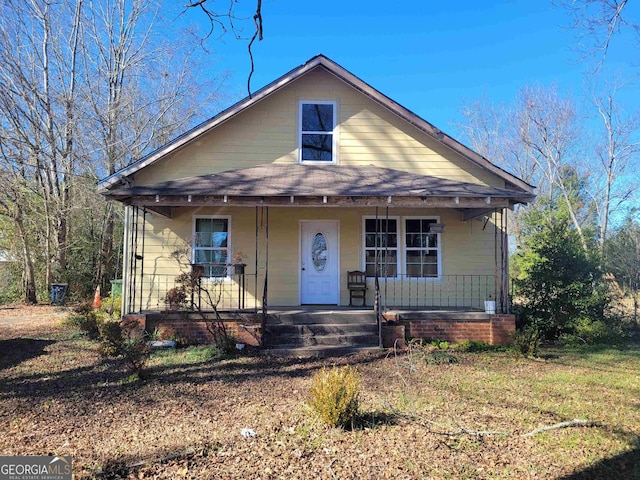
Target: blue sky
column 432, row 57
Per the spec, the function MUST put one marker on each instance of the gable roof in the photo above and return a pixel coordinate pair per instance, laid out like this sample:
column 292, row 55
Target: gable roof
column 319, row 61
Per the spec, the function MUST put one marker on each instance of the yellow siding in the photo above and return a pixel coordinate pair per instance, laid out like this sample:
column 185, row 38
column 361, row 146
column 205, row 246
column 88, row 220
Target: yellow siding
column 467, row 249
column 268, row 133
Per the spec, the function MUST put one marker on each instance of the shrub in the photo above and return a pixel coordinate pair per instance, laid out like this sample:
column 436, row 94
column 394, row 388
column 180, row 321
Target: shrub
column 334, row 395
column 112, row 306
column 85, row 319
column 120, row 339
column 526, row 341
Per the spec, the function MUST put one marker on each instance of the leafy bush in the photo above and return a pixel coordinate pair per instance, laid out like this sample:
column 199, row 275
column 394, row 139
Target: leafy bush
column 121, row 339
column 526, row 341
column 112, row 306
column 86, row 319
column 334, row 395
column 559, row 282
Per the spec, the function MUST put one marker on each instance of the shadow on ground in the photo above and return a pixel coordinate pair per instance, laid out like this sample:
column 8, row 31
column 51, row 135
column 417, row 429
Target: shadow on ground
column 107, row 374
column 625, row 466
column 17, row 350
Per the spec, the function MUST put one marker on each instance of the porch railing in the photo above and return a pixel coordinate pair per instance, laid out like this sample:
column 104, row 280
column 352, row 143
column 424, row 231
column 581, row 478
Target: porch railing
column 449, row 292
column 235, row 292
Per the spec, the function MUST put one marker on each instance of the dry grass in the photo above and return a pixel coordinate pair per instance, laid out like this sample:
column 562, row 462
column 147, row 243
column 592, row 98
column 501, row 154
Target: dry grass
column 57, row 395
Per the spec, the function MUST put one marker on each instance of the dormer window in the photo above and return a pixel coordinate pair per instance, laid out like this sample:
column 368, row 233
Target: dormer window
column 317, row 136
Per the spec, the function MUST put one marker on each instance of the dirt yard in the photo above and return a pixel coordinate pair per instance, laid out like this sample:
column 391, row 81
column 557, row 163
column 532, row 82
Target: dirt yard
column 419, row 420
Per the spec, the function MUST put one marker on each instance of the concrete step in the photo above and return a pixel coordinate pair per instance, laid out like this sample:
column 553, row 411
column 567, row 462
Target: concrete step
column 336, row 340
column 318, row 351
column 324, row 316
column 321, row 328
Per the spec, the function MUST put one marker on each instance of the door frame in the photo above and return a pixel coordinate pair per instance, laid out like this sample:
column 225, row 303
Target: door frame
column 300, row 242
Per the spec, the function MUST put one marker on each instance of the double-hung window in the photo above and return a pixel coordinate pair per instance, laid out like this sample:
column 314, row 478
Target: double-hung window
column 421, row 248
column 211, row 245
column 403, row 246
column 381, row 246
column 317, row 135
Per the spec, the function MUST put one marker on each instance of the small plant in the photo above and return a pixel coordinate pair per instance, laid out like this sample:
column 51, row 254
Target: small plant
column 527, row 341
column 86, row 319
column 334, row 395
column 122, row 339
column 471, row 346
column 175, row 297
column 440, row 357
column 440, row 344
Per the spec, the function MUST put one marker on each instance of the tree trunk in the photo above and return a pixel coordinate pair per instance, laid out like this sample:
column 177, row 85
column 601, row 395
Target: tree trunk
column 106, row 250
column 30, row 296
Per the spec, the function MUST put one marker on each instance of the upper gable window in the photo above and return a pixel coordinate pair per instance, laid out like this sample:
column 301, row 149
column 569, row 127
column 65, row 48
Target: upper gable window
column 317, row 136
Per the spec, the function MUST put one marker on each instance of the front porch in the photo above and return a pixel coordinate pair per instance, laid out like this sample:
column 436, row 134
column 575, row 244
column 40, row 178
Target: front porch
column 425, row 244
column 322, row 331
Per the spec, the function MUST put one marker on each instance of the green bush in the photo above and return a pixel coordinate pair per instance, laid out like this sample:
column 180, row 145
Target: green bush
column 526, row 341
column 121, row 339
column 112, row 306
column 85, row 319
column 334, row 395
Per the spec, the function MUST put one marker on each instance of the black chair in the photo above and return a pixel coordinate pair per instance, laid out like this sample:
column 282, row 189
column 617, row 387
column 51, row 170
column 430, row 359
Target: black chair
column 357, row 285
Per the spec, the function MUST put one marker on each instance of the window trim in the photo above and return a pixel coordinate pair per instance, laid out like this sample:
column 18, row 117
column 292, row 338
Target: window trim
column 402, row 245
column 333, row 133
column 227, row 276
column 405, row 249
column 398, row 249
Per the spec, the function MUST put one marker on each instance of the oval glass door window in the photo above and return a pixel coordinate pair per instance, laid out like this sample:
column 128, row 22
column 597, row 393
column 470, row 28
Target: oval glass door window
column 319, row 252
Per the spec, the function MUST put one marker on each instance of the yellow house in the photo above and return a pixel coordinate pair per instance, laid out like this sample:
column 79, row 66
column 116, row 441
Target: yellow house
column 314, row 176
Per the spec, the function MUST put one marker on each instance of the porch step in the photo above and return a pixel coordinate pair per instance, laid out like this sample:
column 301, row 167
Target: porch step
column 318, row 351
column 310, row 329
column 320, row 333
column 342, row 317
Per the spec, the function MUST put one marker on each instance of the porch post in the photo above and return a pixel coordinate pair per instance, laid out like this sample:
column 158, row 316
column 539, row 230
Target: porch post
column 255, row 278
column 125, row 260
column 141, row 257
column 505, row 263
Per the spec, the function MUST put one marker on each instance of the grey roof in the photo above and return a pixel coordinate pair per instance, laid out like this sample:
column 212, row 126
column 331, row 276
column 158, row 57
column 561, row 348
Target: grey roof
column 313, row 180
column 319, row 61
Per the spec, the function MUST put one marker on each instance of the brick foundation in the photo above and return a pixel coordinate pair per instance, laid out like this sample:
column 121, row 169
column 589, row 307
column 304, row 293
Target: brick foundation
column 193, row 331
column 493, row 329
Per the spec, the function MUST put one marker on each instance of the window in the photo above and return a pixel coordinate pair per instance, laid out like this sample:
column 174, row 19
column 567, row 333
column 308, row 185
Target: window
column 407, row 248
column 211, row 245
column 382, row 245
column 421, row 252
column 317, row 122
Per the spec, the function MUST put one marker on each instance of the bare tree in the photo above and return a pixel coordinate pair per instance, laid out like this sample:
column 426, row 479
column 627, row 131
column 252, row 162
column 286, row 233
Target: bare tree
column 617, row 152
column 85, row 87
column 140, row 91
column 37, row 114
column 597, row 22
column 550, row 128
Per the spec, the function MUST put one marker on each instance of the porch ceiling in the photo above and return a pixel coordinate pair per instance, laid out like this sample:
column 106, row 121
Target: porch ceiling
column 321, row 185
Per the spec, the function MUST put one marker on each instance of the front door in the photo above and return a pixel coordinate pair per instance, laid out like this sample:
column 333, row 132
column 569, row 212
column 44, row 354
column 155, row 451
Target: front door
column 319, row 275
